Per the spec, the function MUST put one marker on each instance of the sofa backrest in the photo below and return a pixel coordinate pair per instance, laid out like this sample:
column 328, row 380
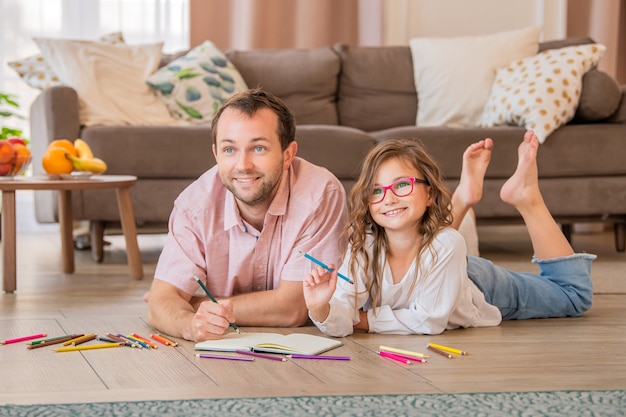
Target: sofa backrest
column 305, row 79
column 376, row 88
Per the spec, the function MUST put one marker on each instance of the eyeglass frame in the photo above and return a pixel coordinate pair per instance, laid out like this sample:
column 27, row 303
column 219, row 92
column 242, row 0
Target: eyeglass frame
column 390, row 187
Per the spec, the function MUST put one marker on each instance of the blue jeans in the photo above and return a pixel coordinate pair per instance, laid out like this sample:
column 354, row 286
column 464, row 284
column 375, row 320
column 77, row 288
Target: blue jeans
column 562, row 288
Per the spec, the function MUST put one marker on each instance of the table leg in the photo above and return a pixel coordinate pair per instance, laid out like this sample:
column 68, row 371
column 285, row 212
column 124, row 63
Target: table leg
column 9, row 268
column 129, row 228
column 66, row 224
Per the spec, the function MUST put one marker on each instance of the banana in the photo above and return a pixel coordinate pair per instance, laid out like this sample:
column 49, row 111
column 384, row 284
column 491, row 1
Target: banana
column 83, row 149
column 94, row 165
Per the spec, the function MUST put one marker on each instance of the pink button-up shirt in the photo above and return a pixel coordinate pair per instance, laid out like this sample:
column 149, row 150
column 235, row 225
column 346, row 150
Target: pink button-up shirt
column 208, row 237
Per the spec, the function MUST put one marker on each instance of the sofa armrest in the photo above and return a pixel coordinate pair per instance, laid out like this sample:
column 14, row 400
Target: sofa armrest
column 53, row 115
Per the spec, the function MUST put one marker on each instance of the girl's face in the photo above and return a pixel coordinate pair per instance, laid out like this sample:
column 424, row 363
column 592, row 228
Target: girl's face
column 399, row 213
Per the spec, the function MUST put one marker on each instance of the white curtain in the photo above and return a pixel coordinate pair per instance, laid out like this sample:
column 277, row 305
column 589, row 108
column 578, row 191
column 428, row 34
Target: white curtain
column 140, row 21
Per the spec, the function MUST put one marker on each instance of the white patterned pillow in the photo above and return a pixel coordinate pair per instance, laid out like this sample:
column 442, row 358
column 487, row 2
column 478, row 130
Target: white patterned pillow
column 540, row 92
column 195, row 85
column 37, row 73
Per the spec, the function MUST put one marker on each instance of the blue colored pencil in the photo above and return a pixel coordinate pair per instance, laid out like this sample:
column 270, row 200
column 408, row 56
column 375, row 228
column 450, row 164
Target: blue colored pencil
column 323, row 265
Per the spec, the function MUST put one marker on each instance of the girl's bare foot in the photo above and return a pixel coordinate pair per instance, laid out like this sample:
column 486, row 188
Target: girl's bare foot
column 475, row 162
column 522, row 188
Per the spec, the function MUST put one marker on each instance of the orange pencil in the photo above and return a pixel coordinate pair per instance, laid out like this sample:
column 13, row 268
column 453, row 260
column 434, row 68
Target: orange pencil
column 163, row 340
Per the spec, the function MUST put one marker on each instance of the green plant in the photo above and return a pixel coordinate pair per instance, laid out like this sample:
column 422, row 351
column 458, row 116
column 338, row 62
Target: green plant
column 7, row 104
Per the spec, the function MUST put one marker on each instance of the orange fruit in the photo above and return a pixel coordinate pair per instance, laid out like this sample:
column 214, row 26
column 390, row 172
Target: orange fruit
column 64, row 143
column 55, row 162
column 22, row 156
column 7, row 153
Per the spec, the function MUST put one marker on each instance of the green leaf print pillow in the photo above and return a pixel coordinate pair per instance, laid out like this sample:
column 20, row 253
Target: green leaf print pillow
column 195, row 85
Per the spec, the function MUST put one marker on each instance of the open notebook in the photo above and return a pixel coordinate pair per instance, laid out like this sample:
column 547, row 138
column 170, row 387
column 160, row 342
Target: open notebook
column 294, row 343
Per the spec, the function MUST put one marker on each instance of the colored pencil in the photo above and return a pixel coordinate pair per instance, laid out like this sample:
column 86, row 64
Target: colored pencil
column 51, row 342
column 79, row 339
column 327, row 357
column 134, row 339
column 261, row 355
column 394, row 357
column 323, row 265
column 230, row 358
column 36, row 342
column 146, row 341
column 448, row 349
column 88, row 347
column 402, row 351
column 208, row 293
column 440, row 352
column 125, row 341
column 409, row 357
column 163, row 340
column 132, row 342
column 24, row 338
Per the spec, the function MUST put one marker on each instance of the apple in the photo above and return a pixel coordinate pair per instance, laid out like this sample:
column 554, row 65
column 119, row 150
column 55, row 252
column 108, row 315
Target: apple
column 5, row 169
column 16, row 140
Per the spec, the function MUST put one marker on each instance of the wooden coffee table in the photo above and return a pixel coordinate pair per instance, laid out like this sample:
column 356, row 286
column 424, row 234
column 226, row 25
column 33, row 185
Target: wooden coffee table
column 121, row 184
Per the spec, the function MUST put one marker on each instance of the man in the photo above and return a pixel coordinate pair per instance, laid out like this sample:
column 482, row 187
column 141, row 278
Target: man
column 241, row 226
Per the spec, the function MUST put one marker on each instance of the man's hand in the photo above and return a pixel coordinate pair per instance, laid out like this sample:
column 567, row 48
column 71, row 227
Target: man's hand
column 211, row 320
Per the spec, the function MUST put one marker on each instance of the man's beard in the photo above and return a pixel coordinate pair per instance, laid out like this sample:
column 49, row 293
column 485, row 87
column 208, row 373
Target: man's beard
column 265, row 193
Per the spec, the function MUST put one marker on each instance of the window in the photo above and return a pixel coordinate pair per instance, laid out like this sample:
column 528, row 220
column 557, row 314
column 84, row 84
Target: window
column 140, row 21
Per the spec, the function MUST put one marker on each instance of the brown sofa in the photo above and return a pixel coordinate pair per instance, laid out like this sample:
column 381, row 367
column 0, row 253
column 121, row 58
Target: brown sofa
column 345, row 99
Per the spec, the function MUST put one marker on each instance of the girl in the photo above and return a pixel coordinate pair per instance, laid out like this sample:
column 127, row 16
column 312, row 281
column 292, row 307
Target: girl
column 409, row 265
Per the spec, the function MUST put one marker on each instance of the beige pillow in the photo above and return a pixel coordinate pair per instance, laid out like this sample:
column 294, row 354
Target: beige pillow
column 540, row 92
column 453, row 76
column 109, row 80
column 36, row 71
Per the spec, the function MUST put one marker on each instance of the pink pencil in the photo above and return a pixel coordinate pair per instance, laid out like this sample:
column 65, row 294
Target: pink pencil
column 332, row 358
column 23, row 338
column 394, row 357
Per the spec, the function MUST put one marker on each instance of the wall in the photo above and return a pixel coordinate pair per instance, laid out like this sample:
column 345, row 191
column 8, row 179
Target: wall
column 406, row 19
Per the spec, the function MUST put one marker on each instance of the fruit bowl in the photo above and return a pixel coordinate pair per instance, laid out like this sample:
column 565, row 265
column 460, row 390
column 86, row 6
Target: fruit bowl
column 14, row 159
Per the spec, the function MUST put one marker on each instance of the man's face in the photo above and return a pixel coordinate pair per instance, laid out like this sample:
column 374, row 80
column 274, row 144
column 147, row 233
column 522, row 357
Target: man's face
column 249, row 157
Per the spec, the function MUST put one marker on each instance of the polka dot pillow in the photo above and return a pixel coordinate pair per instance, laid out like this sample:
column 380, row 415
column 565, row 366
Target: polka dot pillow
column 540, row 92
column 37, row 73
column 194, row 86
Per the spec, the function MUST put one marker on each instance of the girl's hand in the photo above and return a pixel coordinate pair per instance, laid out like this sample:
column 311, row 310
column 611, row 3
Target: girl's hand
column 319, row 287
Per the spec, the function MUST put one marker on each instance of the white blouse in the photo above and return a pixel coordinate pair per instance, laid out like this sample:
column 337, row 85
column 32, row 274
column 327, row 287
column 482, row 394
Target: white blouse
column 443, row 298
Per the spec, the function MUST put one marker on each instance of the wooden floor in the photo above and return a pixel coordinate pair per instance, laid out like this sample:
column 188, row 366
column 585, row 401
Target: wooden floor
column 553, row 354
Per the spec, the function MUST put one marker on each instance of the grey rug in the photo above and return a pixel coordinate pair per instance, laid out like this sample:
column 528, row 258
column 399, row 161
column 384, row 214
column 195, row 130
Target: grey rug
column 560, row 403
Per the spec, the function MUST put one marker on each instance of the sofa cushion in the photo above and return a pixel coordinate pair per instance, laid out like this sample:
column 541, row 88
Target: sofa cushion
column 599, row 98
column 340, row 149
column 160, row 152
column 38, row 73
column 305, row 79
column 195, row 85
column 565, row 155
column 372, row 81
column 453, row 75
column 109, row 80
column 540, row 92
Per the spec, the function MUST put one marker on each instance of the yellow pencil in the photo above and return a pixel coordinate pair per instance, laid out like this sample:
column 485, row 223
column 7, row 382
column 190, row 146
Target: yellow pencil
column 86, row 347
column 448, row 349
column 402, row 351
column 80, row 339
